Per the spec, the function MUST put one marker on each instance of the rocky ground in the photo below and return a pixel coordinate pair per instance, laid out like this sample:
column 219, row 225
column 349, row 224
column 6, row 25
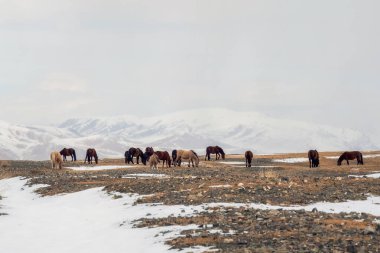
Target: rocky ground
column 239, row 229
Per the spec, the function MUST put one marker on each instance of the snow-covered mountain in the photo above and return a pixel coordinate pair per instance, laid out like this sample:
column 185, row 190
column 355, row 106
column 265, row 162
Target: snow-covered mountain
column 195, row 129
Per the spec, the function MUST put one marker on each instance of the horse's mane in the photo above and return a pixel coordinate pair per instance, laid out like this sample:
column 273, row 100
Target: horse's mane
column 341, row 157
column 220, row 150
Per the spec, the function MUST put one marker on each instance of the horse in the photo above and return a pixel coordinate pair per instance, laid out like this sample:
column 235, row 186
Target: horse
column 189, row 155
column 56, row 160
column 165, row 157
column 174, row 157
column 135, row 152
column 89, row 154
column 214, row 150
column 313, row 158
column 128, row 157
column 149, row 151
column 153, row 161
column 351, row 156
column 68, row 152
column 248, row 158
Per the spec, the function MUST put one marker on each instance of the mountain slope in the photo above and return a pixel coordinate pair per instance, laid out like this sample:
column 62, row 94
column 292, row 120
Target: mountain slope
column 195, row 129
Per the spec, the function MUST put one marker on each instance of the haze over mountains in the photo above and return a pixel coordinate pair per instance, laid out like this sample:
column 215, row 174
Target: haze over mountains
column 195, row 129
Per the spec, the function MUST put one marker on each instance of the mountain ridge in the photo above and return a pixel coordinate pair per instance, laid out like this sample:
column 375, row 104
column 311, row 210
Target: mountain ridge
column 193, row 129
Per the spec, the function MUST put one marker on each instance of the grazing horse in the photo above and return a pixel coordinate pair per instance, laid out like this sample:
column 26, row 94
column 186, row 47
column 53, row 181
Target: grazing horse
column 56, row 160
column 165, row 157
column 189, row 155
column 135, row 152
column 351, row 156
column 248, row 158
column 153, row 161
column 90, row 154
column 313, row 158
column 174, row 157
column 68, row 152
column 214, row 150
column 128, row 157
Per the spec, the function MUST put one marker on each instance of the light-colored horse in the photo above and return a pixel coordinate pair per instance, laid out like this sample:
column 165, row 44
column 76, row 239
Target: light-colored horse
column 56, row 160
column 153, row 161
column 189, row 155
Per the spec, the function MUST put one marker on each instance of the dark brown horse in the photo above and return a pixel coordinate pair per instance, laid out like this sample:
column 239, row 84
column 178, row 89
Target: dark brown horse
column 135, row 152
column 313, row 158
column 149, row 151
column 248, row 158
column 68, row 152
column 351, row 156
column 128, row 157
column 90, row 154
column 165, row 157
column 218, row 151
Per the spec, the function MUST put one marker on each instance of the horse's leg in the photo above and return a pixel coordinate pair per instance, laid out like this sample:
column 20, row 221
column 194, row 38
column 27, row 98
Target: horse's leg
column 347, row 162
column 246, row 162
column 137, row 158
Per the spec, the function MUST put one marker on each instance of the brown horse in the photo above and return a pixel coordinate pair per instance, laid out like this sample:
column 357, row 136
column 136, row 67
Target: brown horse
column 189, row 155
column 68, row 152
column 135, row 152
column 90, row 154
column 248, row 158
column 351, row 156
column 313, row 158
column 214, row 150
column 165, row 157
column 56, row 160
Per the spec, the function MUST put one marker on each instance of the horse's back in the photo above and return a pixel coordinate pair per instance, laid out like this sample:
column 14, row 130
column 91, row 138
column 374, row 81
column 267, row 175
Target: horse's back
column 313, row 154
column 248, row 154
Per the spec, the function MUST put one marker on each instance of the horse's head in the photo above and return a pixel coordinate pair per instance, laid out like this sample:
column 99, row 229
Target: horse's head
column 144, row 158
column 339, row 162
column 316, row 162
column 174, row 154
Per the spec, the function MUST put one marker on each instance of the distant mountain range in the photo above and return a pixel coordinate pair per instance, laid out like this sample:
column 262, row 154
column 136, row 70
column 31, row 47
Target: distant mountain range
column 195, row 129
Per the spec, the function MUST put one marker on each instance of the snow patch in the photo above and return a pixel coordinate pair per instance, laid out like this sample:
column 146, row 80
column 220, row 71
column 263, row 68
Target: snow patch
column 291, row 160
column 104, row 167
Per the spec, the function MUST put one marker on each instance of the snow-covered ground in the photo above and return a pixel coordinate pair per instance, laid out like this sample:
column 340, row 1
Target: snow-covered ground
column 103, row 167
column 86, row 221
column 232, row 163
column 374, row 175
column 93, row 221
column 291, row 160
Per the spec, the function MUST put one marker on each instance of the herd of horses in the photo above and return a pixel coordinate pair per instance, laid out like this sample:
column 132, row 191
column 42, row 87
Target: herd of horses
column 154, row 157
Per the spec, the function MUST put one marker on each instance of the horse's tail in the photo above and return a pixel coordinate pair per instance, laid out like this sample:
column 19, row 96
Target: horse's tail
column 75, row 155
column 96, row 157
column 85, row 159
column 195, row 153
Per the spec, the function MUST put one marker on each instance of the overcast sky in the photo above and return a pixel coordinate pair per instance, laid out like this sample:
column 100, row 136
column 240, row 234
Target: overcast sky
column 316, row 61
